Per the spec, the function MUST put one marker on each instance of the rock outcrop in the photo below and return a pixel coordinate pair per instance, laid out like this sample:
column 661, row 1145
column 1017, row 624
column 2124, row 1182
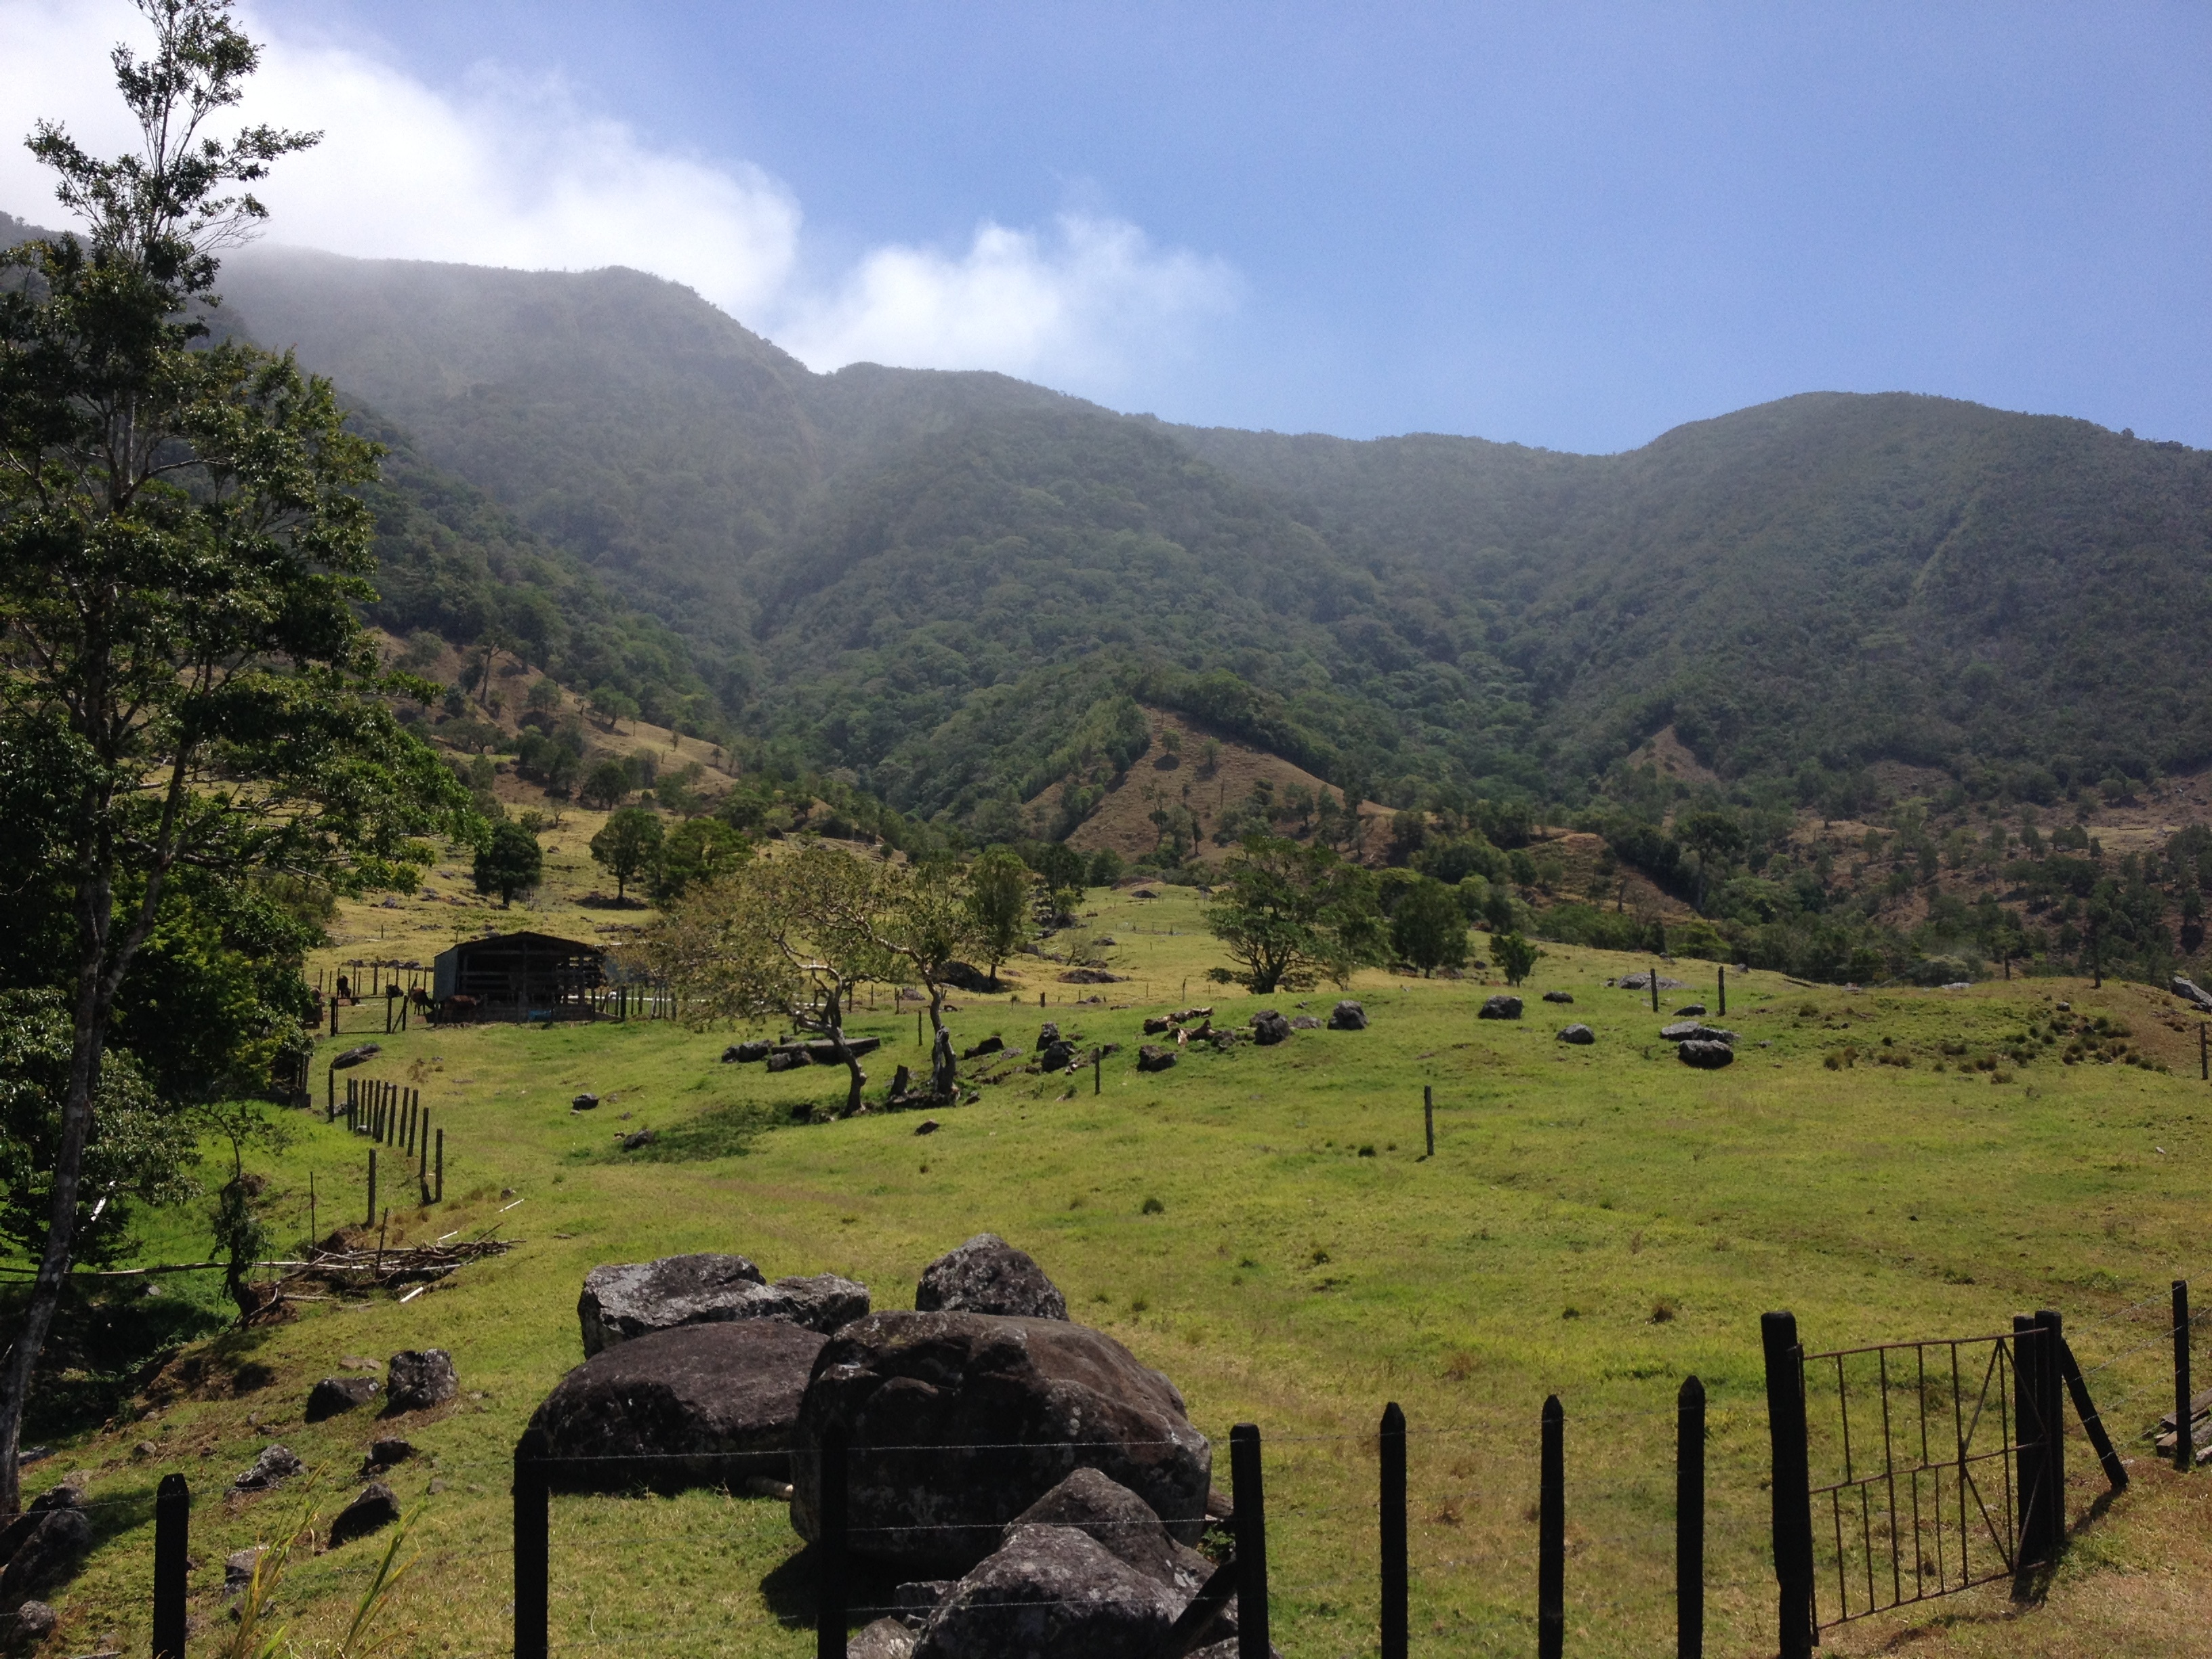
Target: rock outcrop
column 987, row 1275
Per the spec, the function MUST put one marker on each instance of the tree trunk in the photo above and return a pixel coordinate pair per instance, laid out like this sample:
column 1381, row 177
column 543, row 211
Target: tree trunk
column 852, row 1063
column 95, row 999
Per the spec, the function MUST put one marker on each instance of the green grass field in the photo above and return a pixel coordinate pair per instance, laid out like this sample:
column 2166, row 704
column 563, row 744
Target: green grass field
column 1597, row 1223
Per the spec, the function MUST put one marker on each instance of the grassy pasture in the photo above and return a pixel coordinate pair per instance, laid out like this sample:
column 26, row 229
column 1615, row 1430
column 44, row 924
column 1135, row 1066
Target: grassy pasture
column 1596, row 1222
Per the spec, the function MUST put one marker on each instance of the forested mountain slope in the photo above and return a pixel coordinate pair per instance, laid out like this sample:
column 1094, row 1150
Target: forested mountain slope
column 945, row 582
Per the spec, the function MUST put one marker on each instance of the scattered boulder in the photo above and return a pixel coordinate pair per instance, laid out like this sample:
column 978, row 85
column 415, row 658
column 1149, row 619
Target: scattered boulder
column 1692, row 1009
column 1090, row 976
column 24, row 1630
column 1057, row 1058
column 584, row 1103
column 725, row 1394
column 990, row 1045
column 1305, row 1023
column 1048, row 1035
column 386, row 1454
column 628, row 1299
column 929, row 1125
column 1051, row 1590
column 1269, row 1027
column 1499, row 1007
column 419, row 1378
column 47, row 1542
column 918, row 1598
column 275, row 1465
column 372, row 1510
column 1705, row 1053
column 1157, row 1023
column 1685, row 1030
column 1559, row 996
column 958, row 1422
column 238, row 1569
column 2190, row 992
column 638, row 1137
column 964, row 977
column 1151, row 1057
column 334, row 1395
column 1348, row 1016
column 987, row 1275
column 784, row 1059
column 1581, row 1035
column 366, row 1052
column 1642, row 983
column 886, row 1638
column 747, row 1052
column 1184, row 1016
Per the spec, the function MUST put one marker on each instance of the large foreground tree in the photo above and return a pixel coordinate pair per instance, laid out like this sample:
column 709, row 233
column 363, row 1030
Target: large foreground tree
column 1289, row 915
column 185, row 688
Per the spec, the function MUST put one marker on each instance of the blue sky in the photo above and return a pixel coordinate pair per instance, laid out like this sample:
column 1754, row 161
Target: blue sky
column 1572, row 226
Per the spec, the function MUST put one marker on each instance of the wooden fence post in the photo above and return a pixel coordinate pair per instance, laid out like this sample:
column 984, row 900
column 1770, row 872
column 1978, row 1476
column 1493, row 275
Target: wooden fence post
column 1655, row 988
column 2032, row 1456
column 1250, row 1517
column 441, row 1166
column 422, row 1157
column 1394, row 1623
column 533, row 1540
column 371, row 1220
column 1690, row 1520
column 2203, row 1055
column 1723, row 1007
column 830, row 1586
column 1428, row 1115
column 172, row 1522
column 1551, row 1534
column 2116, row 1472
column 2185, row 1447
column 1790, row 1482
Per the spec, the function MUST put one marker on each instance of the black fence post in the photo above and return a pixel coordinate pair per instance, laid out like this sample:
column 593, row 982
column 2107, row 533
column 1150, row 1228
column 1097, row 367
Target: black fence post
column 829, row 1587
column 1789, row 1482
column 533, row 1539
column 2203, row 1055
column 1394, row 1626
column 1690, row 1520
column 1552, row 1535
column 173, row 1523
column 1251, row 1522
column 422, row 1157
column 1723, row 1007
column 2116, row 1472
column 371, row 1221
column 2051, row 1380
column 440, row 1169
column 2031, row 1454
column 2185, row 1446
column 1654, row 989
column 1428, row 1115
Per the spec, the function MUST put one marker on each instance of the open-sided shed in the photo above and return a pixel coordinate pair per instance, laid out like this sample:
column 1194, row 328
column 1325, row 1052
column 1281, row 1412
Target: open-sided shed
column 519, row 977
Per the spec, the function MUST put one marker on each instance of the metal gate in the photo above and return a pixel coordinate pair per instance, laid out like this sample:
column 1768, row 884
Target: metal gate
column 1906, row 1471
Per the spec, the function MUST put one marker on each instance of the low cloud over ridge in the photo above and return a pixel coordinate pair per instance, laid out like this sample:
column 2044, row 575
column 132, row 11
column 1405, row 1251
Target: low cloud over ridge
column 512, row 171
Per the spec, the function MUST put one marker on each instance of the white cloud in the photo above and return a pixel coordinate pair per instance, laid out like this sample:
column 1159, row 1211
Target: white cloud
column 521, row 173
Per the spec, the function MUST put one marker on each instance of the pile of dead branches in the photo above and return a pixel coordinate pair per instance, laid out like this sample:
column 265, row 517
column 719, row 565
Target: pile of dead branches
column 371, row 1266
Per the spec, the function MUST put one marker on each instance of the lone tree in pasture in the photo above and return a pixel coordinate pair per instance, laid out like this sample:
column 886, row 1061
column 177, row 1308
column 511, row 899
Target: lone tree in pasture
column 1514, row 956
column 508, row 862
column 185, row 691
column 630, row 846
column 1291, row 916
column 999, row 885
column 778, row 939
column 1428, row 929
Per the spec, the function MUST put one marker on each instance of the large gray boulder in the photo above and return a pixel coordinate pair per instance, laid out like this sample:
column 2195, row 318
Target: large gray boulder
column 815, row 1301
column 710, row 1400
column 276, row 1465
column 1683, row 1030
column 987, row 1275
column 372, row 1510
column 29, row 1625
column 1348, row 1016
column 1499, row 1007
column 2191, row 992
column 1114, row 1518
column 629, row 1299
column 1705, row 1053
column 886, row 1638
column 1269, row 1027
column 958, row 1422
column 1581, row 1035
column 1051, row 1593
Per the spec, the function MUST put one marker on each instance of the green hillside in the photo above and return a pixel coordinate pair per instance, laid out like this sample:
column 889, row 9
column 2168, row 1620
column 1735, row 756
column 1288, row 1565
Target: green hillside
column 886, row 561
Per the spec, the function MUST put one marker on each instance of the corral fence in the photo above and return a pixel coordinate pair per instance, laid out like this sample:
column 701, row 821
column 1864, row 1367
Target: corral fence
column 1899, row 1474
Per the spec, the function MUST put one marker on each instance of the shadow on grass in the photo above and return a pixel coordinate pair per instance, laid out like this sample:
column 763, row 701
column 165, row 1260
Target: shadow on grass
column 109, row 1340
column 718, row 1131
column 789, row 1591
